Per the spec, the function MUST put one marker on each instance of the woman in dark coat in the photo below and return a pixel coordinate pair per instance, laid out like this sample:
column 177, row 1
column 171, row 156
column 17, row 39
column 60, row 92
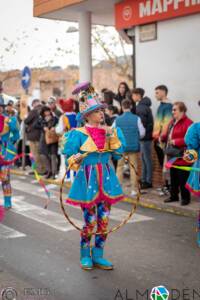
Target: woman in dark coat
column 124, row 93
column 49, row 151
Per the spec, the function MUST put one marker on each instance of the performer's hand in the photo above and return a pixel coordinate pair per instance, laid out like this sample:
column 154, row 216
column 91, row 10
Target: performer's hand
column 78, row 157
column 109, row 130
column 187, row 156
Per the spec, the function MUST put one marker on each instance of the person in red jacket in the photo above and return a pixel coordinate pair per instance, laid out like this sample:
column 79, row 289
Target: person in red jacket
column 175, row 148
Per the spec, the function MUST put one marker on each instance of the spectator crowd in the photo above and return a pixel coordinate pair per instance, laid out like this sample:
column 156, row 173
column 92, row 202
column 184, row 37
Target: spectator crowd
column 130, row 110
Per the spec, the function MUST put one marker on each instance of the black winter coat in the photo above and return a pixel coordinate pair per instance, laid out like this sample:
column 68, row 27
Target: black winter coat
column 33, row 133
column 43, row 147
column 143, row 110
column 120, row 98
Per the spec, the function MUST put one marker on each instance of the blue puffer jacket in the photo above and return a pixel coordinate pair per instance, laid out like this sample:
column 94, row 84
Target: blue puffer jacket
column 128, row 123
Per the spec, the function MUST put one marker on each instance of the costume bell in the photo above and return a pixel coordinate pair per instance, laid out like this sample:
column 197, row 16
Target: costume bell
column 89, row 150
column 9, row 134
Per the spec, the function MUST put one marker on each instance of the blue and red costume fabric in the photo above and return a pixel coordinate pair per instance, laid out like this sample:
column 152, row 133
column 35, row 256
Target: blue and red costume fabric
column 96, row 178
column 71, row 117
column 9, row 134
column 192, row 140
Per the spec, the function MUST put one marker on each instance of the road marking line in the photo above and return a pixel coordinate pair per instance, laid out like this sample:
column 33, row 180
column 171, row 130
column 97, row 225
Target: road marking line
column 34, row 181
column 9, row 233
column 27, row 188
column 48, row 186
column 117, row 214
column 22, row 177
column 38, row 214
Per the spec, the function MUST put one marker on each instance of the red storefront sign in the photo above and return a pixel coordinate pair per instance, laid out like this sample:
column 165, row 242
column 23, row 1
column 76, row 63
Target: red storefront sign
column 129, row 13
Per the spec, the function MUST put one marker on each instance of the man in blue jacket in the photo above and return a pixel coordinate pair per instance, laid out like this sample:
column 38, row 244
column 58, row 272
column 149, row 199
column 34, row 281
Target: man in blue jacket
column 133, row 131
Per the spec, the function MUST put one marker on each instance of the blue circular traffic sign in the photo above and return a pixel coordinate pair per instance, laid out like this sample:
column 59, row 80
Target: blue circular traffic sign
column 26, row 78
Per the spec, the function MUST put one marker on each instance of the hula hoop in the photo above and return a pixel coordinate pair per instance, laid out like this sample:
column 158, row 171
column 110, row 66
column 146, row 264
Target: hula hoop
column 113, row 229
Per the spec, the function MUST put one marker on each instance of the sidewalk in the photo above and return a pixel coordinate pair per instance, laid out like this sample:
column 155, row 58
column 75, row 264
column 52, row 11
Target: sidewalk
column 149, row 198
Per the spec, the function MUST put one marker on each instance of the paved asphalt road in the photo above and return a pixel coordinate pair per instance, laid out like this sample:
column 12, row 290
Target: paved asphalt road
column 39, row 253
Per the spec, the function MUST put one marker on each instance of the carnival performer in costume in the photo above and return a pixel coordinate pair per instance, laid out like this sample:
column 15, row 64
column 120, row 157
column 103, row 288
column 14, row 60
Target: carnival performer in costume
column 69, row 115
column 192, row 140
column 9, row 134
column 88, row 150
column 66, row 123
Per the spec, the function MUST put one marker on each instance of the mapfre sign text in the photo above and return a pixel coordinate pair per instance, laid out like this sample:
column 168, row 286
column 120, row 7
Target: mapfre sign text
column 136, row 12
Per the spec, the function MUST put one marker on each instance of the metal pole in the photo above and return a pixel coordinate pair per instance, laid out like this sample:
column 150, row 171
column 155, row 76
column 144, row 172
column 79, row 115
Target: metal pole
column 24, row 143
column 85, row 47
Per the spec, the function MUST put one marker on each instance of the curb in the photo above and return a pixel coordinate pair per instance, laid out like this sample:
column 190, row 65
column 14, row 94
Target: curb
column 162, row 208
column 142, row 203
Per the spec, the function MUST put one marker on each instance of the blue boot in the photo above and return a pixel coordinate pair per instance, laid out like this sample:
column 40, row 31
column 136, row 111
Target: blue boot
column 85, row 259
column 99, row 261
column 7, row 202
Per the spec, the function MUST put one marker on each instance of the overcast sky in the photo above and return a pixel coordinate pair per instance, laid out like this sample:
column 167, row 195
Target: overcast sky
column 36, row 42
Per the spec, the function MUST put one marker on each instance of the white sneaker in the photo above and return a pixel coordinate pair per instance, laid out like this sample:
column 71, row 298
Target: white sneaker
column 133, row 193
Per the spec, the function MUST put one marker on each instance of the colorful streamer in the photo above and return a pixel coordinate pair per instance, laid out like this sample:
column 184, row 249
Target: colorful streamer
column 2, row 213
column 34, row 168
column 39, row 179
column 170, row 164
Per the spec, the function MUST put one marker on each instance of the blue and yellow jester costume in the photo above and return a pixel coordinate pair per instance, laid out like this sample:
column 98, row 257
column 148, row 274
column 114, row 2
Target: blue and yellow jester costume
column 95, row 187
column 9, row 134
column 68, row 122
